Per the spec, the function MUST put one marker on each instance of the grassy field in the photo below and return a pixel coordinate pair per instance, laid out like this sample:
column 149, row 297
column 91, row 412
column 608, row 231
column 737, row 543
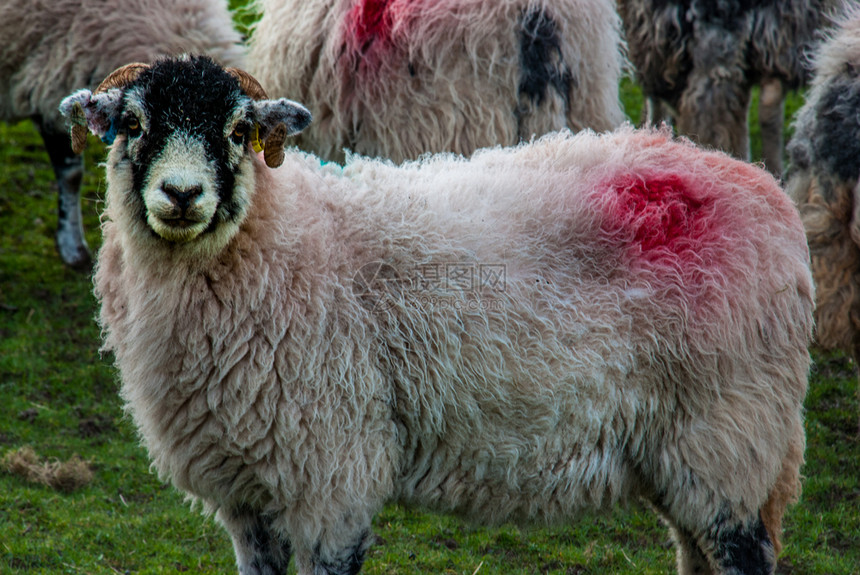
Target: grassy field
column 59, row 398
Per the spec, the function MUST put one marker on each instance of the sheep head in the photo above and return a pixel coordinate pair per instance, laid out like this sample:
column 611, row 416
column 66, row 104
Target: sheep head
column 184, row 131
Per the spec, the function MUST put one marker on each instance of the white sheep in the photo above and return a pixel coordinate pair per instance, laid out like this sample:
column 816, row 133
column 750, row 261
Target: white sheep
column 53, row 48
column 517, row 337
column 401, row 78
column 824, row 181
column 700, row 59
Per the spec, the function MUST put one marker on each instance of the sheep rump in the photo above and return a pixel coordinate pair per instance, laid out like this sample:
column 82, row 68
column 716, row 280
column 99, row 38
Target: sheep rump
column 660, row 295
column 401, row 78
column 51, row 48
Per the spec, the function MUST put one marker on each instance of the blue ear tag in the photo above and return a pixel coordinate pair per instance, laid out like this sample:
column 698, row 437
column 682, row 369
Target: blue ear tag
column 110, row 135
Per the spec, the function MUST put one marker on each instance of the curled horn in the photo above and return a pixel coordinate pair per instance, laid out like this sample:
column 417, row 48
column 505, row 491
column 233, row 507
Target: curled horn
column 116, row 79
column 121, row 77
column 248, row 83
column 273, row 146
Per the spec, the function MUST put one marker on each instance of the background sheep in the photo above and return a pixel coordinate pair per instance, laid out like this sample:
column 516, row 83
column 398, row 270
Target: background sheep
column 52, row 48
column 400, row 78
column 823, row 182
column 701, row 58
column 296, row 351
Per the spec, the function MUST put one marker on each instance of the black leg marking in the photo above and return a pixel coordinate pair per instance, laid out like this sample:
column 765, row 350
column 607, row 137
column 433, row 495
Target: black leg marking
column 271, row 554
column 348, row 562
column 68, row 169
column 744, row 549
column 541, row 58
column 260, row 550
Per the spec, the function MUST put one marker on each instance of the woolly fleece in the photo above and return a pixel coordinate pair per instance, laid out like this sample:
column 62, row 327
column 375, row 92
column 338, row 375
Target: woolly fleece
column 401, row 78
column 612, row 363
column 53, row 47
column 701, row 58
column 824, row 181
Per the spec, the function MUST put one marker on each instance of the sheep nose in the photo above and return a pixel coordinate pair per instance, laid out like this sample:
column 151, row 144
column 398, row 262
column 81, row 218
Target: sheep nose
column 181, row 197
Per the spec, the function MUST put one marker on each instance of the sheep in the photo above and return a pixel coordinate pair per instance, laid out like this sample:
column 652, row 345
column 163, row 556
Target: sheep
column 402, row 78
column 824, row 181
column 700, row 60
column 562, row 325
column 51, row 48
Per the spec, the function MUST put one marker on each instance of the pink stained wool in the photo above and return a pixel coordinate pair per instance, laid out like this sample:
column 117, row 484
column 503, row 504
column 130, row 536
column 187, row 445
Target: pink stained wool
column 370, row 20
column 660, row 210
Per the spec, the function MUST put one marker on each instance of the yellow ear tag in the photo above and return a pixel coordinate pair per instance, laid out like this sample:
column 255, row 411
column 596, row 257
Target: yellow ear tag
column 256, row 144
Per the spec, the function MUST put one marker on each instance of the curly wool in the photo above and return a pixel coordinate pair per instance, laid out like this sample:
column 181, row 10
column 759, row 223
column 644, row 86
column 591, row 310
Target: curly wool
column 51, row 48
column 824, row 182
column 401, row 78
column 612, row 362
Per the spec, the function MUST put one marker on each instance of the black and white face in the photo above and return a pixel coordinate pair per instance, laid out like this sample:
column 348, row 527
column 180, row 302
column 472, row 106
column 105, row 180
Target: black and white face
column 182, row 149
column 182, row 159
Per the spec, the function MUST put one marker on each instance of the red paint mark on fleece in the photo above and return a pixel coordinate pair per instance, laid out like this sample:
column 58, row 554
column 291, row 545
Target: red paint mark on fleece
column 659, row 211
column 370, row 20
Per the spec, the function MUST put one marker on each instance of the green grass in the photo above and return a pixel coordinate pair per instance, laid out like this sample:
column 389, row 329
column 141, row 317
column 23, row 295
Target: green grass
column 59, row 396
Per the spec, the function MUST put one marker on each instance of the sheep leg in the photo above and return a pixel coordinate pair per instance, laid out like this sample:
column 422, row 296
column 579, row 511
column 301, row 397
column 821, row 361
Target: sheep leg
column 654, row 113
column 260, row 550
column 740, row 549
column 771, row 115
column 727, row 548
column 345, row 561
column 724, row 126
column 717, row 538
column 690, row 558
column 69, row 170
column 714, row 106
column 787, row 488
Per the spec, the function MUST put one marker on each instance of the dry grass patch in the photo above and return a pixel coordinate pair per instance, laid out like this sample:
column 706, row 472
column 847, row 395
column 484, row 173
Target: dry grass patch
column 64, row 476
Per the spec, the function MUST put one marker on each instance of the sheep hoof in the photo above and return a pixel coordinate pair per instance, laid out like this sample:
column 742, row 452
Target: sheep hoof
column 77, row 257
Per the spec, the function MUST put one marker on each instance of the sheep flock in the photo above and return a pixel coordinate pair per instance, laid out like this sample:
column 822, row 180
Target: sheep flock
column 411, row 251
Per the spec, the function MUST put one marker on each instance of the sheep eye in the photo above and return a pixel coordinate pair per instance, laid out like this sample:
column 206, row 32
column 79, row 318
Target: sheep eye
column 239, row 133
column 133, row 128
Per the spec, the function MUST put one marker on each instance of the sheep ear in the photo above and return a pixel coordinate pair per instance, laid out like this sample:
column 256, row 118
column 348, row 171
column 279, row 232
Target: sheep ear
column 96, row 112
column 276, row 120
